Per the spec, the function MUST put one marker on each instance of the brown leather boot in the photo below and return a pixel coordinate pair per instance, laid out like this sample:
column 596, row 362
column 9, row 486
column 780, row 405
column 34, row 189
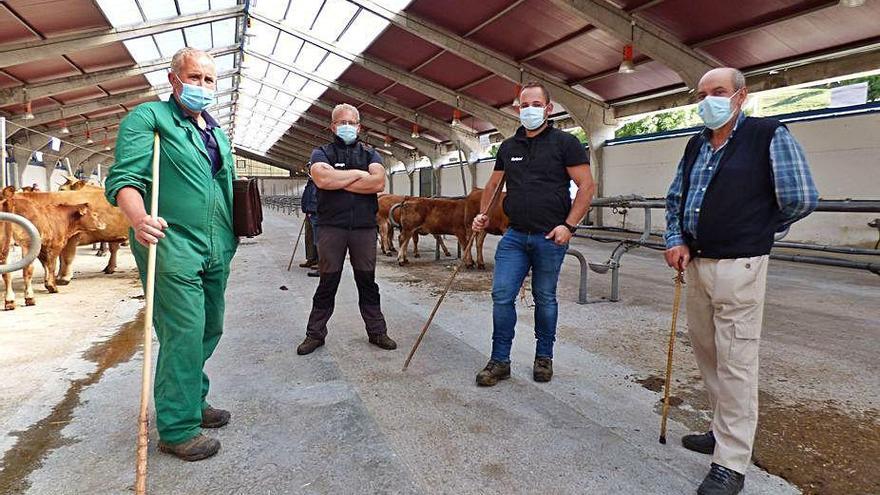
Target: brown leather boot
column 383, row 341
column 308, row 346
column 215, row 418
column 195, row 449
column 543, row 370
column 492, row 373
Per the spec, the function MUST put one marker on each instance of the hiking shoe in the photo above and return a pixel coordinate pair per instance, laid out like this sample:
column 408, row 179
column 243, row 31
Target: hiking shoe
column 721, row 481
column 494, row 371
column 314, row 273
column 383, row 341
column 309, row 345
column 543, row 369
column 195, row 449
column 703, row 443
column 215, row 418
column 308, row 264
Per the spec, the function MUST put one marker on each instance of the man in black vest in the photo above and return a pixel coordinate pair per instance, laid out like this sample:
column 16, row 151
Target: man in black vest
column 741, row 180
column 349, row 174
column 540, row 163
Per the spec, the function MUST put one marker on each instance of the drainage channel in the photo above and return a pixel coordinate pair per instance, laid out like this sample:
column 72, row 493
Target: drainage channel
column 36, row 442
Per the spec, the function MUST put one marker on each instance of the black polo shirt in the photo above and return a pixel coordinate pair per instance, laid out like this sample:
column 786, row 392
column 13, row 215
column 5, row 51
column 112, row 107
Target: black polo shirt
column 538, row 198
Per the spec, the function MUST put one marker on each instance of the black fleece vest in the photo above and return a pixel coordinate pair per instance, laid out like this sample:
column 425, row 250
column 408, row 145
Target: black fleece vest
column 739, row 214
column 341, row 208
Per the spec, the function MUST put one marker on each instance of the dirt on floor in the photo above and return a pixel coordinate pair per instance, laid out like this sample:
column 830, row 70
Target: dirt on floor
column 824, row 448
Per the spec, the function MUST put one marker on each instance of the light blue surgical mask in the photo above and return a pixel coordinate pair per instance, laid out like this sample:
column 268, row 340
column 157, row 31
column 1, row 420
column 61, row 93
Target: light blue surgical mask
column 195, row 98
column 716, row 110
column 531, row 117
column 347, row 133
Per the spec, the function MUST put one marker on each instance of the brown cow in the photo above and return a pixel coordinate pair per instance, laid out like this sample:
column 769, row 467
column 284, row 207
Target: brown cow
column 76, row 191
column 56, row 223
column 498, row 221
column 386, row 228
column 437, row 216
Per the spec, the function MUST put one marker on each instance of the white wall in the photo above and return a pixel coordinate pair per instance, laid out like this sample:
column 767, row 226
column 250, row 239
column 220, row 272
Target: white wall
column 844, row 157
column 450, row 180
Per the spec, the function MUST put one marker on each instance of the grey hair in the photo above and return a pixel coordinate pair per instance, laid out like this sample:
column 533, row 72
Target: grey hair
column 343, row 107
column 183, row 53
column 739, row 80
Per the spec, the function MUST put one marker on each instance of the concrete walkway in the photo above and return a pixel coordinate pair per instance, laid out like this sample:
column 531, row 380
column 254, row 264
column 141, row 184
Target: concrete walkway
column 346, row 420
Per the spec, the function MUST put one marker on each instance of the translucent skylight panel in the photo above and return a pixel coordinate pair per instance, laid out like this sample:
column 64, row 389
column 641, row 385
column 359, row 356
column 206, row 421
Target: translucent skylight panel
column 262, row 107
column 224, row 32
column 277, row 112
column 158, row 9
column 121, row 12
column 312, row 90
column 273, row 9
column 302, row 13
column 222, row 4
column 276, row 74
column 333, row 67
column 283, row 99
column 310, row 57
column 157, row 78
column 256, row 67
column 261, row 38
column 192, row 6
column 249, row 85
column 169, row 42
column 225, row 63
column 333, row 19
column 199, row 36
column 224, row 99
column 295, row 82
column 224, row 84
column 142, row 49
column 301, row 105
column 288, row 46
column 268, row 93
column 362, row 32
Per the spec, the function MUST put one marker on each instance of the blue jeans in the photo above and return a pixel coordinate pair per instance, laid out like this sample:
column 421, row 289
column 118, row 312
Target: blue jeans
column 517, row 252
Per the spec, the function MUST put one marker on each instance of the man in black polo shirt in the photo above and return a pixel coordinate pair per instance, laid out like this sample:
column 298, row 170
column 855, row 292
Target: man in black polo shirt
column 349, row 174
column 540, row 162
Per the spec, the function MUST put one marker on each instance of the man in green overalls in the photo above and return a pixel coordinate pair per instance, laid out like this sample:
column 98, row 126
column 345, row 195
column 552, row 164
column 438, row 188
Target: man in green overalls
column 195, row 241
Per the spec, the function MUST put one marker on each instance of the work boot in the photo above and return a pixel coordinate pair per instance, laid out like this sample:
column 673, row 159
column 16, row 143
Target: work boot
column 314, row 273
column 703, row 443
column 721, row 481
column 543, row 369
column 309, row 345
column 383, row 341
column 494, row 371
column 307, row 264
column 195, row 449
column 214, row 418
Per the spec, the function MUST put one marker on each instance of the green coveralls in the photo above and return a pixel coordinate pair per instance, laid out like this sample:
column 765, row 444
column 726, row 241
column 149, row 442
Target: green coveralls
column 192, row 262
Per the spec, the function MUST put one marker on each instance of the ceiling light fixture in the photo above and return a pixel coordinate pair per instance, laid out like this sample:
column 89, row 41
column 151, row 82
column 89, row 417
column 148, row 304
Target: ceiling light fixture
column 516, row 98
column 456, row 118
column 29, row 115
column 415, row 132
column 627, row 66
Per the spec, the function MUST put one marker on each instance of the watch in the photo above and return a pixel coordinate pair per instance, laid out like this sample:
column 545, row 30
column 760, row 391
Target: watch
column 571, row 228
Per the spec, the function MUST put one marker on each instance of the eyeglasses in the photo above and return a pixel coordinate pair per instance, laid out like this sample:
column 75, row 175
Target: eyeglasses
column 535, row 104
column 347, row 122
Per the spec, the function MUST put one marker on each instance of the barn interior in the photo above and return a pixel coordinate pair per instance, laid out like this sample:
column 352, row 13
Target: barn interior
column 435, row 82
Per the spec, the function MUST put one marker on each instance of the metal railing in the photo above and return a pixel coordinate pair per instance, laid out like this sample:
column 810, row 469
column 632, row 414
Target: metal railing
column 283, row 203
column 624, row 245
column 35, row 244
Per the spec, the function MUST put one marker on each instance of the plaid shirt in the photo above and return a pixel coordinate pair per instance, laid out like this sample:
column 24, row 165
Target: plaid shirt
column 796, row 194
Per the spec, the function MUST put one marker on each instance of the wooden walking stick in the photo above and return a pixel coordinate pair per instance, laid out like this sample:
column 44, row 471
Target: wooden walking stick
column 679, row 280
column 466, row 249
column 143, row 440
column 296, row 244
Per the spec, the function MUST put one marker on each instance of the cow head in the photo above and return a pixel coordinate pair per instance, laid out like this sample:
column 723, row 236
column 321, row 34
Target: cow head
column 8, row 192
column 88, row 218
column 72, row 184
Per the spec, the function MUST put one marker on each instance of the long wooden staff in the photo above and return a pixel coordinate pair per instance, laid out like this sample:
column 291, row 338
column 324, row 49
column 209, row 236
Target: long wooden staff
column 296, row 244
column 679, row 280
column 467, row 249
column 143, row 440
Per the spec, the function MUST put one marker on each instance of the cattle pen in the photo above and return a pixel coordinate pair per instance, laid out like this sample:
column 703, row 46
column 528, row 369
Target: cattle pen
column 438, row 90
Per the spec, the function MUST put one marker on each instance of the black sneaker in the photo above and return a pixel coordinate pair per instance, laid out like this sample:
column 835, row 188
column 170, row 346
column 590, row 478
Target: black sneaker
column 543, row 369
column 383, row 341
column 308, row 346
column 494, row 371
column 721, row 481
column 313, row 273
column 703, row 443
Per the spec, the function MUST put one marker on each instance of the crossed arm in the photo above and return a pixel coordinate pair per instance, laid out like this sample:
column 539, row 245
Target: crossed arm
column 356, row 181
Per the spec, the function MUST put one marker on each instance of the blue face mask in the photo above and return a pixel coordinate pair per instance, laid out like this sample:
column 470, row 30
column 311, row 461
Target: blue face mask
column 347, row 133
column 531, row 117
column 716, row 110
column 195, row 98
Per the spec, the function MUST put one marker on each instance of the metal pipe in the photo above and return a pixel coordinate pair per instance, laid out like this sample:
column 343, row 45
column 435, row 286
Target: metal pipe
column 35, row 244
column 822, row 260
column 582, row 291
column 825, row 205
column 2, row 152
column 828, row 249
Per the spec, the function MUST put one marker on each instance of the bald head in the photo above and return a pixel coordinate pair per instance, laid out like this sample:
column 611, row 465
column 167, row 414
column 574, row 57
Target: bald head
column 723, row 81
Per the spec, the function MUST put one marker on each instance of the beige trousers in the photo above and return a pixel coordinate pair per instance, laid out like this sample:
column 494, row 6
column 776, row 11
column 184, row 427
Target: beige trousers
column 725, row 308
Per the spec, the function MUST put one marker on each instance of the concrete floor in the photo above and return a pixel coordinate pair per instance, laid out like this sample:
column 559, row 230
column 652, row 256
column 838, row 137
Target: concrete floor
column 347, row 420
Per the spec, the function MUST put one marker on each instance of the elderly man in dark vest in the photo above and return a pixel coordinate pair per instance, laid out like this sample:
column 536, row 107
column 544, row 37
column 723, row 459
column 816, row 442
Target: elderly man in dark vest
column 741, row 180
column 349, row 175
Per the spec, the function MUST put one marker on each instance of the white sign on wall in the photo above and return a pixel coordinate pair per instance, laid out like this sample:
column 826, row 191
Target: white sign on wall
column 846, row 96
